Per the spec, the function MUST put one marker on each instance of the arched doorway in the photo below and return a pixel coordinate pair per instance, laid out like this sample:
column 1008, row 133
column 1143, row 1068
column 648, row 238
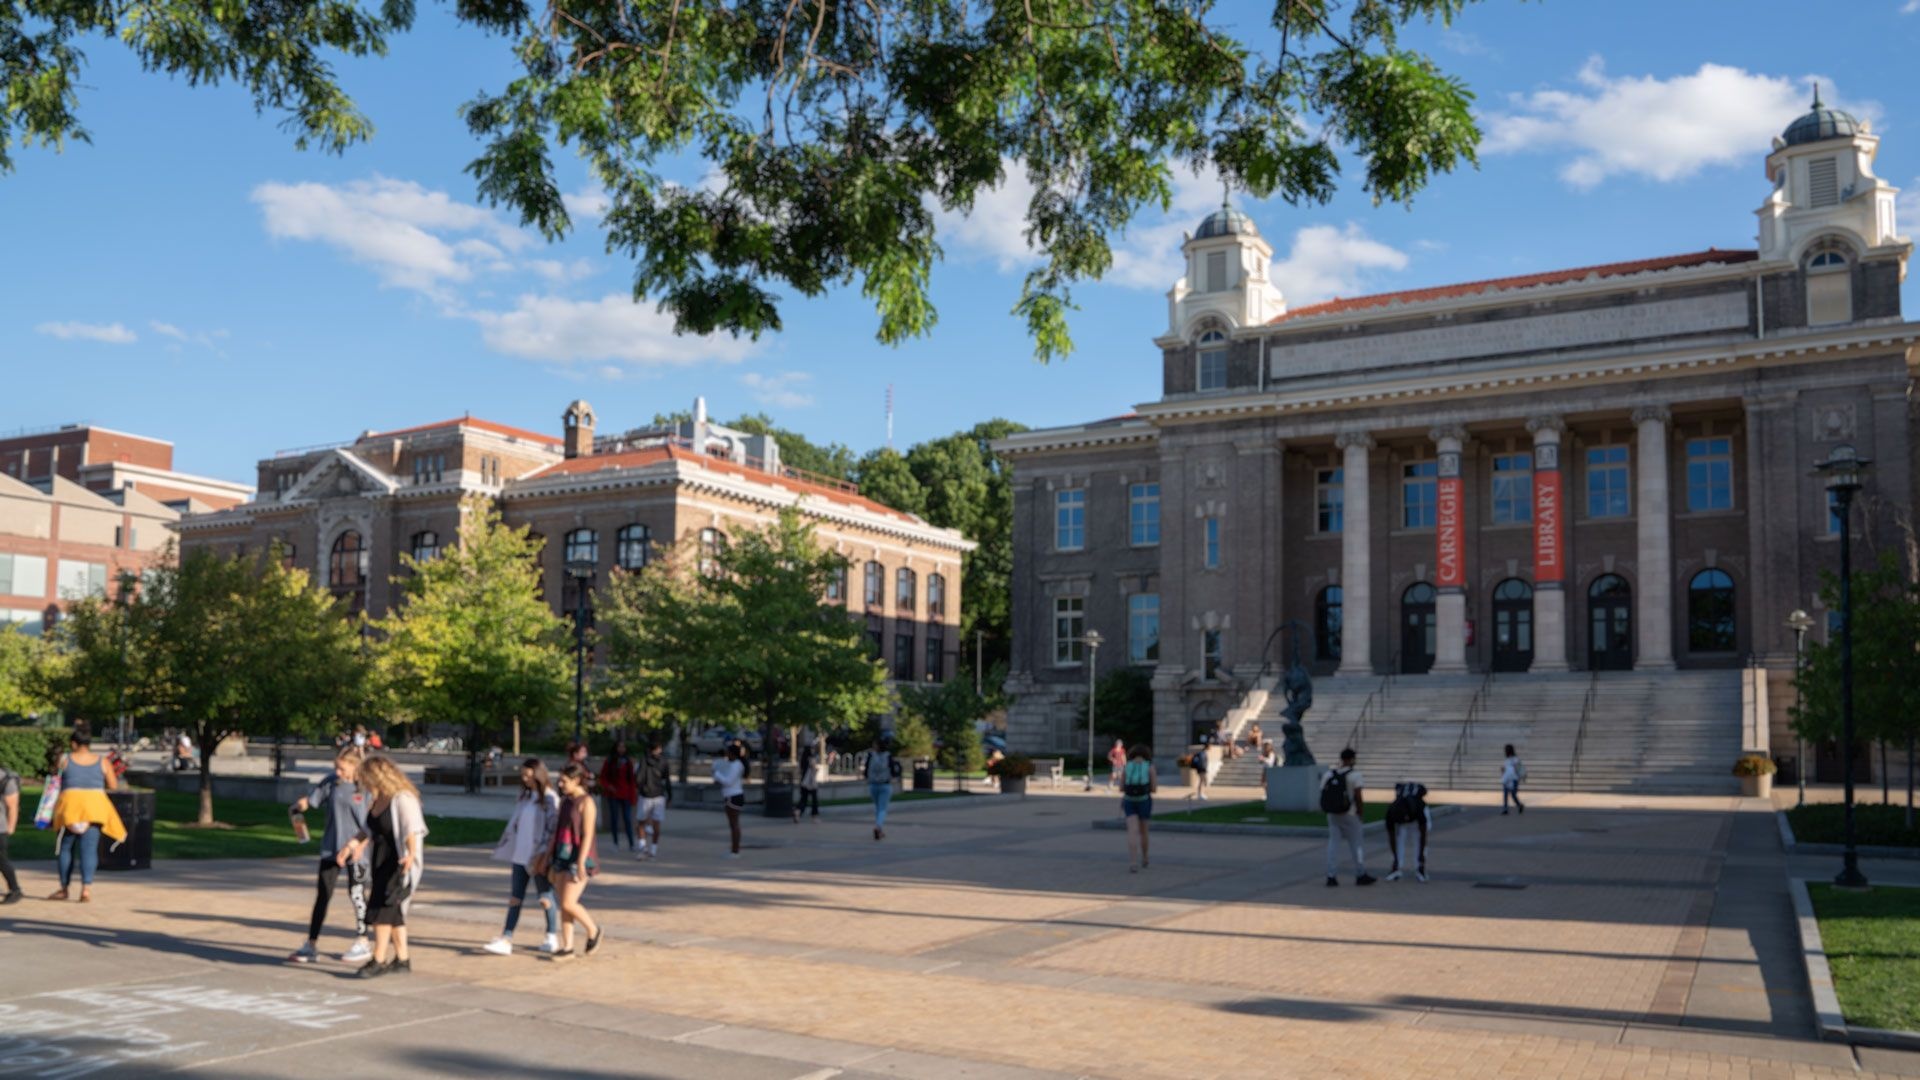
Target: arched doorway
column 1609, row 624
column 1417, row 628
column 1512, row 625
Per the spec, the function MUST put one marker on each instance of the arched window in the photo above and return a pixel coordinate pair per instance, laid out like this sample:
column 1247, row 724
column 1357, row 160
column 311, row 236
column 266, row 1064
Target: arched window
column 876, row 593
column 1327, row 619
column 347, row 563
column 1212, row 373
column 583, row 545
column 1710, row 612
column 904, row 589
column 1829, row 286
column 1512, row 625
column 425, row 546
column 632, row 547
column 837, row 584
column 1609, row 624
column 936, row 594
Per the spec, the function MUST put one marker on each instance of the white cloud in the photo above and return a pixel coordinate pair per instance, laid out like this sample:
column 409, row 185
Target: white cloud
column 561, row 272
column 781, row 391
column 589, row 202
column 108, row 333
column 1664, row 129
column 1326, row 261
column 1910, row 7
column 203, row 337
column 1462, row 43
column 996, row 228
column 613, row 328
column 413, row 237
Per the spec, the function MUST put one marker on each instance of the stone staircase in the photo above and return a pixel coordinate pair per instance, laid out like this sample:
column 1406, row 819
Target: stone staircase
column 1668, row 732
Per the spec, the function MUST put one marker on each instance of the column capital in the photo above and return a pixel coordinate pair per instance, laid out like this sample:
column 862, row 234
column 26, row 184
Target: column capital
column 1547, row 427
column 1652, row 412
column 1448, row 433
column 1349, row 439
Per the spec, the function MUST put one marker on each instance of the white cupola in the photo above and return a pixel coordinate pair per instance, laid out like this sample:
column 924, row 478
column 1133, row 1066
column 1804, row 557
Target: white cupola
column 1226, row 278
column 1824, row 190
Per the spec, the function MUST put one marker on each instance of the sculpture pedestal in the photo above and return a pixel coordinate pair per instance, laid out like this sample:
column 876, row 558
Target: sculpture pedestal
column 1294, row 787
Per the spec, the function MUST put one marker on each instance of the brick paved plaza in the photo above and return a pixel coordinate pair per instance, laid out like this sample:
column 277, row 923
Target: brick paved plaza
column 1003, row 937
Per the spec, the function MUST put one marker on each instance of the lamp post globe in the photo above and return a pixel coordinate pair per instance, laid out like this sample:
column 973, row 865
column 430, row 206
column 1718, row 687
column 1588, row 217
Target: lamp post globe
column 581, row 571
column 1092, row 640
column 1843, row 471
column 1799, row 622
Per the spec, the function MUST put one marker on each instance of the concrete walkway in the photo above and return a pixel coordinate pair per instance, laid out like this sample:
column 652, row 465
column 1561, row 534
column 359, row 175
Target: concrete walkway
column 1592, row 936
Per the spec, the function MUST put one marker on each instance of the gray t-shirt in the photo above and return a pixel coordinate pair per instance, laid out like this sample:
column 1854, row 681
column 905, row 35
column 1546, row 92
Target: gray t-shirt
column 9, row 785
column 346, row 807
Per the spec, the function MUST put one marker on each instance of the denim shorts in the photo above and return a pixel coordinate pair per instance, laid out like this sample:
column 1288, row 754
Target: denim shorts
column 1140, row 808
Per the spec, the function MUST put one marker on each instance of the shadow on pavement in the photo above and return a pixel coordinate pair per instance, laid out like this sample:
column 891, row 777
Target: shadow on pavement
column 461, row 1063
column 164, row 944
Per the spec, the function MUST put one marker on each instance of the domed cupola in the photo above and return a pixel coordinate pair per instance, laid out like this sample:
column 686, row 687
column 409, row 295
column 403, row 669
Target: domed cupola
column 1226, row 279
column 1225, row 221
column 1820, row 124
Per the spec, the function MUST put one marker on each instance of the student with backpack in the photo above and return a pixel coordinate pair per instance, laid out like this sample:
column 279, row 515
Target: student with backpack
column 1137, row 785
column 882, row 770
column 1406, row 814
column 1512, row 772
column 1342, row 799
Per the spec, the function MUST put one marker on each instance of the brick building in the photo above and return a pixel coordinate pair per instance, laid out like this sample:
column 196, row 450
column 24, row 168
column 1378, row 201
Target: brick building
column 347, row 512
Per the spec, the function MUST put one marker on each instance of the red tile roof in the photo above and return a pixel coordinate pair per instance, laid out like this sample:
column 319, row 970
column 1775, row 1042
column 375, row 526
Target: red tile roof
column 636, row 459
column 1551, row 277
column 472, row 422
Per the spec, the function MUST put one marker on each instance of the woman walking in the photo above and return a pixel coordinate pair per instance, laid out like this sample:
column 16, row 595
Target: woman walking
column 813, row 767
column 1116, row 763
column 881, row 770
column 1512, row 772
column 83, row 813
column 393, row 842
column 524, row 846
column 619, row 790
column 571, row 863
column 730, row 773
column 1137, row 785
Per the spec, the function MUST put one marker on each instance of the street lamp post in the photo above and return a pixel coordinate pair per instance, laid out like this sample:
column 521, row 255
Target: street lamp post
column 1092, row 640
column 1843, row 469
column 122, row 595
column 1799, row 622
column 581, row 571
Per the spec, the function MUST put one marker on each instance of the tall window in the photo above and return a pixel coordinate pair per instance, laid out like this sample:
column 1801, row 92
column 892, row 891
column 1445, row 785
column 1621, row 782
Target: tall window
column 583, row 545
column 876, row 636
column 1835, row 523
column 837, row 584
column 1069, row 626
column 425, row 546
column 1143, row 628
column 633, row 546
column 710, row 543
column 289, row 556
column 1216, row 271
column 347, row 562
column 1328, row 619
column 429, row 468
column 936, row 667
column 1829, row 289
column 1070, row 519
column 1419, row 499
column 1607, row 482
column 1710, row 612
column 936, row 594
column 1512, row 488
column 1710, row 473
column 1329, row 500
column 904, row 589
column 1210, row 543
column 1143, row 515
column 876, row 594
column 1213, row 651
column 903, row 656
column 1213, row 361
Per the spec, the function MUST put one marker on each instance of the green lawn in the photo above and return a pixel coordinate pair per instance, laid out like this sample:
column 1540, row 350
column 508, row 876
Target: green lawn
column 260, row 830
column 1823, row 823
column 1255, row 813
column 1873, row 945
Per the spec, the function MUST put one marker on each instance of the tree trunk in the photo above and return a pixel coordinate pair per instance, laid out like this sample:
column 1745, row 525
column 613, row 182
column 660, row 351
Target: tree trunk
column 207, row 743
column 1885, row 799
column 681, row 732
column 1909, row 780
column 473, row 756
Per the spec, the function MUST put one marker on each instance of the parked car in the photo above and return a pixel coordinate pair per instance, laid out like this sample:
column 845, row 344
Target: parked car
column 714, row 739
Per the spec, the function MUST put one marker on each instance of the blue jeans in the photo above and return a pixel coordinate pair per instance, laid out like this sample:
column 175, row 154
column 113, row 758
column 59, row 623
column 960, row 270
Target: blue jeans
column 882, row 795
column 543, row 889
column 89, row 844
column 1510, row 789
column 619, row 816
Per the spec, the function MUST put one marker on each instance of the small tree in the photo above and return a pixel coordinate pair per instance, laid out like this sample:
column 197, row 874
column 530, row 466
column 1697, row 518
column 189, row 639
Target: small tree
column 310, row 670
column 1124, row 700
column 471, row 642
column 22, row 659
column 951, row 713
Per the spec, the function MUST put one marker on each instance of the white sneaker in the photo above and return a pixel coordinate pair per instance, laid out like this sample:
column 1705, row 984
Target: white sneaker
column 1395, row 876
column 1421, row 874
column 360, row 953
column 550, row 944
column 639, row 854
column 733, row 854
column 500, row 946
column 305, row 954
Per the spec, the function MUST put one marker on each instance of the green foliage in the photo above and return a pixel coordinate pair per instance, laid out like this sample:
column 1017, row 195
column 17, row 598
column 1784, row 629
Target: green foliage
column 471, row 642
column 885, row 477
column 1872, row 942
column 24, row 750
column 1886, row 664
column 21, row 658
column 1013, row 766
column 89, row 660
column 1874, row 824
column 1124, row 708
column 949, row 712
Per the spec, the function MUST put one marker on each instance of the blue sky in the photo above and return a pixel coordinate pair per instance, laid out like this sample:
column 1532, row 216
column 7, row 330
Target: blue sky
column 191, row 276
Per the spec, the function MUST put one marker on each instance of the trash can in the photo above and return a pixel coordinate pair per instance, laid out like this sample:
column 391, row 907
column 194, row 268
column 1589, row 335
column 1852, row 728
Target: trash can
column 778, row 796
column 922, row 775
column 136, row 810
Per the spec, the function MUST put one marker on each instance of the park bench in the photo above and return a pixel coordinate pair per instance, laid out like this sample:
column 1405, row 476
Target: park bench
column 457, row 775
column 1054, row 769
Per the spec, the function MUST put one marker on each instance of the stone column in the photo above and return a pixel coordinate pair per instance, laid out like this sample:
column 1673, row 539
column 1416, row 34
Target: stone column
column 1549, row 546
column 1653, row 592
column 1450, row 556
column 1356, row 570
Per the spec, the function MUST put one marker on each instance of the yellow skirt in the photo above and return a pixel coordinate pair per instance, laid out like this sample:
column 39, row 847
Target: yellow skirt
column 88, row 806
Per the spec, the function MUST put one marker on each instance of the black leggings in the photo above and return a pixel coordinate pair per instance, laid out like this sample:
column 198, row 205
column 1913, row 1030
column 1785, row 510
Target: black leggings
column 356, row 892
column 6, row 866
column 807, row 795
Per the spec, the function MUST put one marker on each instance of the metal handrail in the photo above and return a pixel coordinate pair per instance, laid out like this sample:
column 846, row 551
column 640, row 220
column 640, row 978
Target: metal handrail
column 1368, row 712
column 1586, row 714
column 1466, row 728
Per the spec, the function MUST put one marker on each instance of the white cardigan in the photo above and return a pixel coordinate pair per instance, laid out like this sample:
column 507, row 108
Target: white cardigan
column 408, row 820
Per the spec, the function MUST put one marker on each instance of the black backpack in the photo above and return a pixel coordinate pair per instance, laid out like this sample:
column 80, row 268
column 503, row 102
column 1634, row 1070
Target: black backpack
column 1334, row 796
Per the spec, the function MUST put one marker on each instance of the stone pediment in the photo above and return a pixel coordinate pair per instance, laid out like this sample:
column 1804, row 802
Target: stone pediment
column 340, row 475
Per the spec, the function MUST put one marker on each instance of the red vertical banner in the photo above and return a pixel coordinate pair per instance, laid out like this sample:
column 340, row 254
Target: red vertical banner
column 1549, row 528
column 1451, row 561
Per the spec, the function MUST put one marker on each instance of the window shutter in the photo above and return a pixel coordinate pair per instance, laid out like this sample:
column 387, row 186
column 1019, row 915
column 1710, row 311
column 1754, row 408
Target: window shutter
column 1217, row 272
column 1823, row 183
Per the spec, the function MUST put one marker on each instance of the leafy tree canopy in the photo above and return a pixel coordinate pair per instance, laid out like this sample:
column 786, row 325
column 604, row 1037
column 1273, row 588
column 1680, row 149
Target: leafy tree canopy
column 21, row 656
column 1886, row 659
column 833, row 130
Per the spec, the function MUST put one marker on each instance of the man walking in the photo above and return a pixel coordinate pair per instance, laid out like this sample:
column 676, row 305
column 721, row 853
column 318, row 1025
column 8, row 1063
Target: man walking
column 655, row 784
column 9, row 817
column 1342, row 799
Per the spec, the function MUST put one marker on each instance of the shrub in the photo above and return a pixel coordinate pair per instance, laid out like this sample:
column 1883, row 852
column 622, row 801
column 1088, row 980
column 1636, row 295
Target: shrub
column 26, row 750
column 1012, row 767
column 1754, row 765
